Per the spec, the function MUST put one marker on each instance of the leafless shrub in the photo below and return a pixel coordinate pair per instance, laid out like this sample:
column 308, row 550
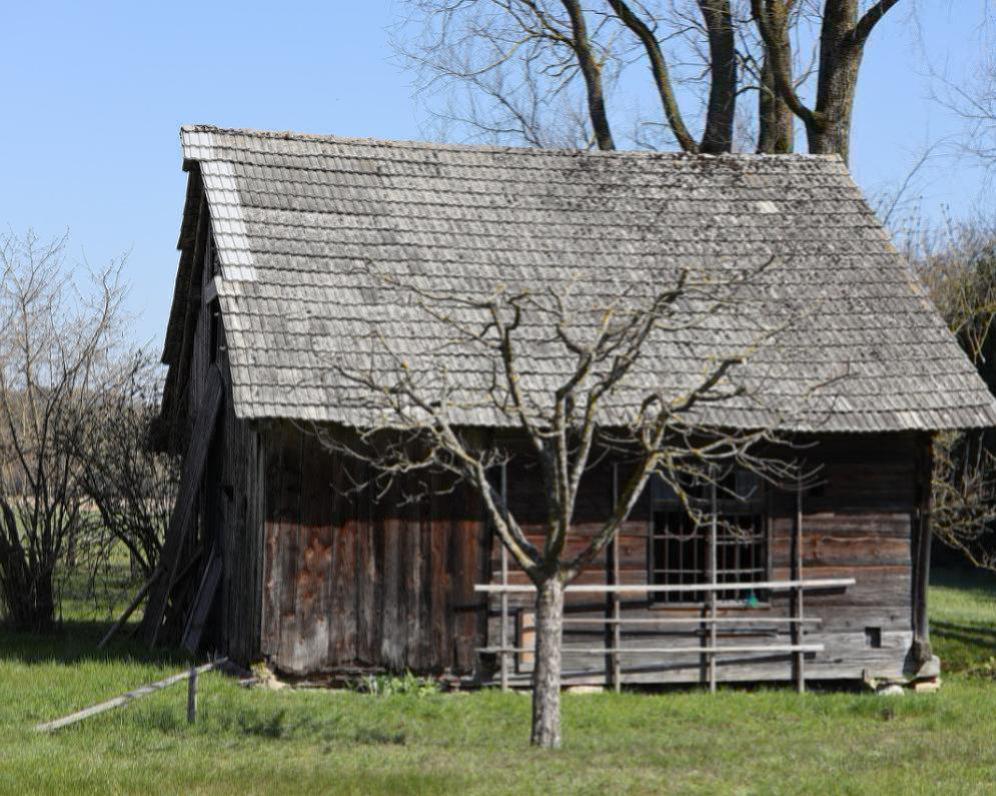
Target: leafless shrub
column 58, row 335
column 958, row 266
column 129, row 481
column 963, row 500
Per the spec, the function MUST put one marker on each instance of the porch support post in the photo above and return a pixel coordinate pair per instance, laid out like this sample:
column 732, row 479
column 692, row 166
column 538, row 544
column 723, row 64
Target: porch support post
column 713, row 579
column 503, row 655
column 613, row 602
column 798, row 626
column 922, row 651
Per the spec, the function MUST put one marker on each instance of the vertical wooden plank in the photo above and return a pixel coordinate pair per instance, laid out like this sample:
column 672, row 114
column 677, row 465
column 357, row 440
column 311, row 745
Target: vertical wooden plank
column 921, row 564
column 271, row 568
column 257, row 526
column 440, row 643
column 410, row 599
column 354, row 512
column 291, row 549
column 344, row 580
column 192, row 695
column 798, row 613
column 183, row 516
column 426, row 576
column 713, row 540
column 472, row 538
column 393, row 633
column 503, row 659
column 613, row 635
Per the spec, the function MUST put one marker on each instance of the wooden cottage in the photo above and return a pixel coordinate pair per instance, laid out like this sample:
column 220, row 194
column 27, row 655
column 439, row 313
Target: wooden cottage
column 270, row 556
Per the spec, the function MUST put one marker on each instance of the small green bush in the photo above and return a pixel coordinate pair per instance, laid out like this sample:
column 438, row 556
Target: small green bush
column 393, row 684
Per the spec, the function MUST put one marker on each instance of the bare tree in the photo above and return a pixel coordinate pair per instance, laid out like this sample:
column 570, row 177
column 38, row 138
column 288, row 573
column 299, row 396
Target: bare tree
column 531, row 59
column 963, row 496
column 523, row 63
column 130, row 482
column 844, row 32
column 958, row 266
column 425, row 418
column 56, row 335
column 971, row 95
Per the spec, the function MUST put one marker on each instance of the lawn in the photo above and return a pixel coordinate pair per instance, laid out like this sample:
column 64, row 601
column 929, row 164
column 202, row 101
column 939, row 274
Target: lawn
column 736, row 742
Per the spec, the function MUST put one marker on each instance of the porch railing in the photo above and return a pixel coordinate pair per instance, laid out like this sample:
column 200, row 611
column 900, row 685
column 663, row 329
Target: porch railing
column 613, row 647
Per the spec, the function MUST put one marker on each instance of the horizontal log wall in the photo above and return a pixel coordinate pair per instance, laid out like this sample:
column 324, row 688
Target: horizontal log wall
column 350, row 583
column 857, row 523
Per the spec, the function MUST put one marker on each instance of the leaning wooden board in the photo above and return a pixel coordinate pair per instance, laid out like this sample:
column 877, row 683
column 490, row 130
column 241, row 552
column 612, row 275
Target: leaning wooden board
column 124, row 699
column 183, row 511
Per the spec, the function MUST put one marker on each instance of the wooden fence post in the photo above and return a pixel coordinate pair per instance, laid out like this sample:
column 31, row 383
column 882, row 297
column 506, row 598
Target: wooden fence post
column 712, row 558
column 503, row 659
column 798, row 613
column 613, row 635
column 192, row 696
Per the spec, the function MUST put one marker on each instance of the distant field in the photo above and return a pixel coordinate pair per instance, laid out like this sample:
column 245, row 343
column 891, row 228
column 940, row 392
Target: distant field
column 736, row 742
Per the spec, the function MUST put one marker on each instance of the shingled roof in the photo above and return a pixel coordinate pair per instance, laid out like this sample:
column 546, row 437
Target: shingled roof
column 302, row 223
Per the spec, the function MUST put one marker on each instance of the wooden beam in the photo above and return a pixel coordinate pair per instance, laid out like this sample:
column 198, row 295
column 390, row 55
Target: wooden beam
column 613, row 629
column 768, row 585
column 711, row 596
column 772, row 648
column 202, row 604
column 695, row 620
column 186, row 502
column 503, row 662
column 131, row 607
column 798, row 628
column 211, row 290
column 921, row 562
column 192, row 696
column 124, row 699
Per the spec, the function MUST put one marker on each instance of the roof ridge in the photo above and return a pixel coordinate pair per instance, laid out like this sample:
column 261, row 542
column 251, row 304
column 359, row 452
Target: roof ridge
column 290, row 135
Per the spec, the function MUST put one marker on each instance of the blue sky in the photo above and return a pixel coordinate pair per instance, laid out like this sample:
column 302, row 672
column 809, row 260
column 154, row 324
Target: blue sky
column 94, row 94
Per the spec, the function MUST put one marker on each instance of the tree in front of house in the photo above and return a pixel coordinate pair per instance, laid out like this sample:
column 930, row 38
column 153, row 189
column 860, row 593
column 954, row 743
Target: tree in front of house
column 564, row 373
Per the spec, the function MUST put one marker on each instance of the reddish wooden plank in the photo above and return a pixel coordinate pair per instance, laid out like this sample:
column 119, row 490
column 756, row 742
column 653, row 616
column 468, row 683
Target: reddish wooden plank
column 354, row 516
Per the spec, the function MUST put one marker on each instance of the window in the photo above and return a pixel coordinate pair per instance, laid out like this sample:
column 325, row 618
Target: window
column 680, row 548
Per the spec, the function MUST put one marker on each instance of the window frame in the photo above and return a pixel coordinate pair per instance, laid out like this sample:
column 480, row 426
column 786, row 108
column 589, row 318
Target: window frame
column 664, row 501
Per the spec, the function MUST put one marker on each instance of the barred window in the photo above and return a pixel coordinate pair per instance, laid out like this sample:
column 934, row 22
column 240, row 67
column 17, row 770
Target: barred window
column 680, row 548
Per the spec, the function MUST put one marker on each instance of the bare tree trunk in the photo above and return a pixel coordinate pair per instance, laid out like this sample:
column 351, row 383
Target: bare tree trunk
column 718, row 134
column 776, row 122
column 591, row 70
column 840, row 60
column 842, row 41
column 44, row 608
column 546, row 675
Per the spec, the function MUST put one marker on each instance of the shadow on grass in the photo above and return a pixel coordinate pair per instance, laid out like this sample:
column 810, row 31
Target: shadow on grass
column 977, row 583
column 75, row 641
column 976, row 634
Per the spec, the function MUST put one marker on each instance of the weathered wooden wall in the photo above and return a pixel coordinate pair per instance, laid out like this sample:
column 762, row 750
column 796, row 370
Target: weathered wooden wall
column 352, row 583
column 857, row 524
column 233, row 511
column 231, row 496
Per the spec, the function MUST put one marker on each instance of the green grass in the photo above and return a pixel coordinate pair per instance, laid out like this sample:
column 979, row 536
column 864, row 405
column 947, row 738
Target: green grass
column 963, row 620
column 736, row 742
